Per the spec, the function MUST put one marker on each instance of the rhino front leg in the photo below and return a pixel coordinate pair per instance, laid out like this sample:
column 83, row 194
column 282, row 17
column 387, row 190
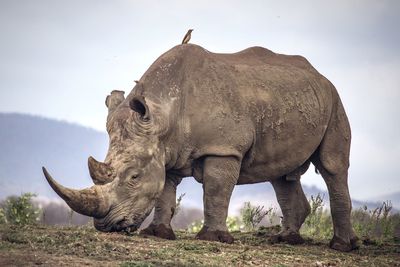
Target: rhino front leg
column 295, row 208
column 220, row 175
column 164, row 210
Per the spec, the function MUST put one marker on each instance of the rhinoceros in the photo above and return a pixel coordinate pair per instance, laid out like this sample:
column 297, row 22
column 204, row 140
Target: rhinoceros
column 226, row 119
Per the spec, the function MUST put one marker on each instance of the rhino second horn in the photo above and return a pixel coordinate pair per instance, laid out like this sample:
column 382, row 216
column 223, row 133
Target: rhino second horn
column 90, row 201
column 114, row 100
column 100, row 172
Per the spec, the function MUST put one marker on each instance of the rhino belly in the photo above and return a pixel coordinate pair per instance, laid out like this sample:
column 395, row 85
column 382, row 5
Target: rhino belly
column 275, row 155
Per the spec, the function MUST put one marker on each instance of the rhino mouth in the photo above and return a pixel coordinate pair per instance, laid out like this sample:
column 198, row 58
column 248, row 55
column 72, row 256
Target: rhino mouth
column 129, row 225
column 119, row 225
column 125, row 225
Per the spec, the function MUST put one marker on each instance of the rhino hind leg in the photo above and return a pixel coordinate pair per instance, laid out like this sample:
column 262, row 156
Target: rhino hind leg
column 164, row 211
column 220, row 175
column 295, row 208
column 332, row 161
column 344, row 237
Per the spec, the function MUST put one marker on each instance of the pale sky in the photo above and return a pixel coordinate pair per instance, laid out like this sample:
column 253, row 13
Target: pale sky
column 59, row 59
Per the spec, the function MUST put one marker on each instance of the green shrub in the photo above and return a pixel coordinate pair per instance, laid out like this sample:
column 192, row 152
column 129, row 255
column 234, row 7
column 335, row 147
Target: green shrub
column 361, row 220
column 3, row 218
column 196, row 226
column 253, row 215
column 178, row 204
column 233, row 224
column 377, row 224
column 319, row 223
column 20, row 210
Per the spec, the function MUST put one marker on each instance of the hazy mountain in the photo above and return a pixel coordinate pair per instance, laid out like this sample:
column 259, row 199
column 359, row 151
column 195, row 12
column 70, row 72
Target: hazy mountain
column 28, row 142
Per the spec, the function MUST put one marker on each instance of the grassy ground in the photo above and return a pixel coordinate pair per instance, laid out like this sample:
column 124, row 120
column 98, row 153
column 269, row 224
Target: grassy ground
column 74, row 246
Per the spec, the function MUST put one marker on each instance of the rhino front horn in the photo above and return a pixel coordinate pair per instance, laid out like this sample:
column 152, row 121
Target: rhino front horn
column 90, row 202
column 100, row 172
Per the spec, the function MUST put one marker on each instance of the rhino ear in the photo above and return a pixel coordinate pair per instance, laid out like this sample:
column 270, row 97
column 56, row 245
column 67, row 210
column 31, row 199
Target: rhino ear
column 114, row 100
column 138, row 104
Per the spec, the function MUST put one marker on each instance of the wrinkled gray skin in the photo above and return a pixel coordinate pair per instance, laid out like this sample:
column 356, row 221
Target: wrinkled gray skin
column 226, row 119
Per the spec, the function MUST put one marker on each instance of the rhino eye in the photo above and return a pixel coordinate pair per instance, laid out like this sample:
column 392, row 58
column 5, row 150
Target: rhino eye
column 130, row 173
column 135, row 175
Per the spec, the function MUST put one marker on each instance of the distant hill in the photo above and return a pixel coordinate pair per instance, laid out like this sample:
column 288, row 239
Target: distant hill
column 29, row 142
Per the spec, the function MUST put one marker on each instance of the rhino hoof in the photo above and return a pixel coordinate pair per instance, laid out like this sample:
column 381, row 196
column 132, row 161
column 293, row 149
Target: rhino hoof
column 290, row 237
column 221, row 236
column 340, row 245
column 160, row 231
column 355, row 242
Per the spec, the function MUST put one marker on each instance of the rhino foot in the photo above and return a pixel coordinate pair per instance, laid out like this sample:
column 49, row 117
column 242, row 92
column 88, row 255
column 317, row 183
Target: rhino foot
column 339, row 244
column 355, row 242
column 221, row 236
column 160, row 230
column 290, row 237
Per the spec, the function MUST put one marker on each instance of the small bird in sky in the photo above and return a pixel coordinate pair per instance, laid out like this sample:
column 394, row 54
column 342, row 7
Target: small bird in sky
column 186, row 39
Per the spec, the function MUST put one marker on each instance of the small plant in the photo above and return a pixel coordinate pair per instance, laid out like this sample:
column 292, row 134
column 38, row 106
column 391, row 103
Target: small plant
column 318, row 224
column 253, row 215
column 233, row 224
column 178, row 204
column 20, row 210
column 195, row 226
column 70, row 216
column 361, row 222
column 3, row 218
column 385, row 222
column 43, row 216
column 273, row 218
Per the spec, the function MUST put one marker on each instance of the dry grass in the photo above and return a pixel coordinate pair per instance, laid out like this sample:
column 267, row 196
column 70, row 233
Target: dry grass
column 74, row 246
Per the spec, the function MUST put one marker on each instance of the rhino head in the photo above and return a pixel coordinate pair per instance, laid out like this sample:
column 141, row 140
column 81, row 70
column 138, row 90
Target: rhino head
column 132, row 176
